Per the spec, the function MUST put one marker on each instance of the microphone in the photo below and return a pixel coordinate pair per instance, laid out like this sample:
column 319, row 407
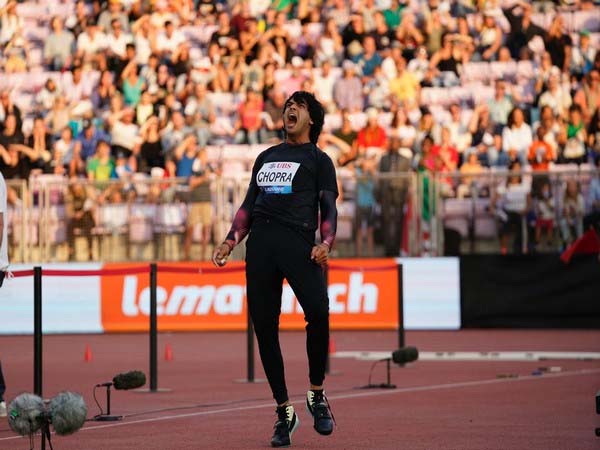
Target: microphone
column 67, row 412
column 129, row 380
column 26, row 414
column 405, row 355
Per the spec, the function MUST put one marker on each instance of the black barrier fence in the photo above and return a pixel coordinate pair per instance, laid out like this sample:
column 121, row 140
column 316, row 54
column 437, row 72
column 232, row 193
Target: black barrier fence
column 153, row 269
column 529, row 291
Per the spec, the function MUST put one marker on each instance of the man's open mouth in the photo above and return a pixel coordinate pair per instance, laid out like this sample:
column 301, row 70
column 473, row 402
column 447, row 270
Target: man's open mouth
column 292, row 118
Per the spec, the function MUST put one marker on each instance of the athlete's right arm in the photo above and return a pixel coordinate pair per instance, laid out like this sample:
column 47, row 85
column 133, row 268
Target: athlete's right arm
column 241, row 222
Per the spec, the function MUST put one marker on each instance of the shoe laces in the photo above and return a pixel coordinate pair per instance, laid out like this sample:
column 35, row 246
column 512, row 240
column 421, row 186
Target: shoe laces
column 284, row 415
column 321, row 405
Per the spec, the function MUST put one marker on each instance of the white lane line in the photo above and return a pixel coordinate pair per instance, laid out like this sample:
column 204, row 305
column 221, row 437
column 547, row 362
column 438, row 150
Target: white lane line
column 475, row 356
column 432, row 387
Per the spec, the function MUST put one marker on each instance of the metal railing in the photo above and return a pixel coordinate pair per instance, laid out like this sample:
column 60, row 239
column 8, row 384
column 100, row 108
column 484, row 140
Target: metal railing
column 145, row 219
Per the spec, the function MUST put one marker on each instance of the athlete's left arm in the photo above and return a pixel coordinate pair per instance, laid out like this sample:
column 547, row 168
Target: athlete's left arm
column 328, row 224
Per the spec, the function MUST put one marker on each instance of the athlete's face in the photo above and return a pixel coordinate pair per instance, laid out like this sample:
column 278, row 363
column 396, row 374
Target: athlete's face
column 296, row 120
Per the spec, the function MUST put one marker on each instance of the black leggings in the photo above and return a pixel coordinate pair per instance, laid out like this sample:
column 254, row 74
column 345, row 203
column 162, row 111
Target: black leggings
column 275, row 252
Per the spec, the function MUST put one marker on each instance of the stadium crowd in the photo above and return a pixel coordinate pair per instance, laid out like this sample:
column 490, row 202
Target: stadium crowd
column 102, row 90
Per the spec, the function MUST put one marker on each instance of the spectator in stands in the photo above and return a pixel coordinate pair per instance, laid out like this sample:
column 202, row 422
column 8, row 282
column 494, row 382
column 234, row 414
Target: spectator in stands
column 7, row 107
column 151, row 149
column 522, row 28
column 402, row 129
column 408, row 34
column 174, row 133
column 272, row 130
column 101, row 166
column 145, row 108
column 329, row 44
column 500, row 105
column 419, row 65
column 511, row 202
column 345, row 139
column 582, row 55
column 124, row 133
column 132, row 84
column 352, row 36
column 471, row 166
column 16, row 53
column 202, row 112
column 113, row 11
column 369, row 59
column 540, row 153
column 555, row 131
column 446, row 151
column 592, row 219
column 517, row 135
column 594, row 136
column 46, row 97
column 279, row 36
column 249, row 120
column 556, row 96
column 103, row 92
column 434, row 29
column 79, row 205
column 405, row 86
column 543, row 207
column 393, row 14
column 10, row 22
column 372, row 135
column 588, row 96
column 200, row 210
column 339, row 11
column 87, row 140
column 77, row 22
column 571, row 216
column 460, row 137
column 144, row 38
column 381, row 32
column 574, row 150
column 168, row 42
column 91, row 45
column 364, row 222
column 38, row 147
column 347, row 91
column 558, row 44
column 64, row 160
column 116, row 43
column 446, row 62
column 296, row 78
column 77, row 91
column 391, row 193
column 324, row 83
column 58, row 46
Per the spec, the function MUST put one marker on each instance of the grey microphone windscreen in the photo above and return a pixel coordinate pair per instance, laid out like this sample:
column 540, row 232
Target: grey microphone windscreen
column 68, row 412
column 26, row 414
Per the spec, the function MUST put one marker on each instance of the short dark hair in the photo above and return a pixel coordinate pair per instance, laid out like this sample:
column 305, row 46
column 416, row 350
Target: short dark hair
column 315, row 111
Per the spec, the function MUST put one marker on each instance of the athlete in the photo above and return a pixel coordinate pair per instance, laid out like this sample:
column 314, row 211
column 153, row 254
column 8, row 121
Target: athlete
column 3, row 269
column 291, row 183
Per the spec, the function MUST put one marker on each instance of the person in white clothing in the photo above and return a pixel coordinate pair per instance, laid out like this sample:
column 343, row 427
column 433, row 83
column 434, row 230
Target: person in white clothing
column 517, row 135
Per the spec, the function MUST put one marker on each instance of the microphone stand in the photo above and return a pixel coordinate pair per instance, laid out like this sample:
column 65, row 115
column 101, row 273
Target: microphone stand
column 107, row 417
column 388, row 384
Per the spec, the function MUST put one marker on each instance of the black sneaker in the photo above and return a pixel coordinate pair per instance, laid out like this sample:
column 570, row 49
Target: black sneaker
column 287, row 422
column 318, row 406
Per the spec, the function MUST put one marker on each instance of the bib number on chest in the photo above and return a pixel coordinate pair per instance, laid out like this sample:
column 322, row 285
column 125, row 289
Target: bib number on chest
column 277, row 177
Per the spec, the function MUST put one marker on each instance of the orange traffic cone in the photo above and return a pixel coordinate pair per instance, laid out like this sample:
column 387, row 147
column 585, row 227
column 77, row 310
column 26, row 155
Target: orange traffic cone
column 331, row 346
column 87, row 356
column 168, row 352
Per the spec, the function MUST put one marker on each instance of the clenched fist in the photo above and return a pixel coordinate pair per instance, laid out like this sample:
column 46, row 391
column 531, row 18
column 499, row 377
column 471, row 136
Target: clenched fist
column 221, row 254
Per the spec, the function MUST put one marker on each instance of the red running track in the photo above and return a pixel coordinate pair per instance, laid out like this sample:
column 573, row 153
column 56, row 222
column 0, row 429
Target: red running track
column 438, row 405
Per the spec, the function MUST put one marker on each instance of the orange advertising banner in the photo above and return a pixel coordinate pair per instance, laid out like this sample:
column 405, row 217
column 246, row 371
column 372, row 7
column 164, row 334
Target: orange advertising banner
column 360, row 297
